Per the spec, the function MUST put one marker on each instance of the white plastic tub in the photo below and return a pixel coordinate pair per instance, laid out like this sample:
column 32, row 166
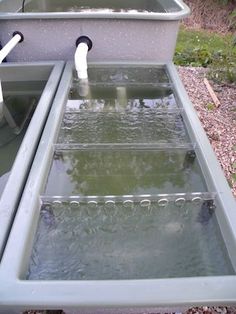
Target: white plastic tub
column 135, row 30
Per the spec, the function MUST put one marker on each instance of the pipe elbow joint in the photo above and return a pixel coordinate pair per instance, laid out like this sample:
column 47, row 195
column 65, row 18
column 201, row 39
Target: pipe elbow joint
column 20, row 34
column 86, row 40
column 83, row 44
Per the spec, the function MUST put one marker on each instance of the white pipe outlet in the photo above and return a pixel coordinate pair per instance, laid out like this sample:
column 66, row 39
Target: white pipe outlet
column 3, row 53
column 9, row 46
column 81, row 60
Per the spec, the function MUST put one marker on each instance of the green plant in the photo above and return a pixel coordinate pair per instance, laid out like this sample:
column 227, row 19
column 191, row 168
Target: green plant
column 210, row 106
column 232, row 19
column 223, row 67
column 233, row 176
column 198, row 56
column 224, row 2
column 201, row 48
column 230, row 183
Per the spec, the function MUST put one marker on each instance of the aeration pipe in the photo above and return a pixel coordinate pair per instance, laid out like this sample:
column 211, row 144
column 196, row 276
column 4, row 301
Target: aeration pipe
column 17, row 37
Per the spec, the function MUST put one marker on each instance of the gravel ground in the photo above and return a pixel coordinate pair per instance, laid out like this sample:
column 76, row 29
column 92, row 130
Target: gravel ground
column 195, row 310
column 219, row 123
column 220, row 127
column 211, row 310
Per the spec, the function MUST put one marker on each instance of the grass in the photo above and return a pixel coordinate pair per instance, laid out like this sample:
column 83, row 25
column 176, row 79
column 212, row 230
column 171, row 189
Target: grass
column 207, row 49
column 201, row 38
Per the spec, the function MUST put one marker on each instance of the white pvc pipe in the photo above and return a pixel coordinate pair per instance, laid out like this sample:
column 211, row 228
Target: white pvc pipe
column 81, row 60
column 3, row 53
column 9, row 46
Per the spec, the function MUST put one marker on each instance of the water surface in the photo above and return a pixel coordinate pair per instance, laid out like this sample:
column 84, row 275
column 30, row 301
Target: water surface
column 133, row 6
column 118, row 242
column 118, row 172
column 123, row 136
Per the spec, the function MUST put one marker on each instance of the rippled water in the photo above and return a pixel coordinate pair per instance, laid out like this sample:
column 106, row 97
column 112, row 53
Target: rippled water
column 120, row 109
column 107, row 98
column 88, row 242
column 124, row 75
column 146, row 126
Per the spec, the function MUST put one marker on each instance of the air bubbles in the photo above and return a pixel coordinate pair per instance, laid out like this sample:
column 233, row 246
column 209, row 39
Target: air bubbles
column 93, row 203
column 197, row 200
column 128, row 203
column 74, row 204
column 180, row 201
column 92, row 208
column 57, row 204
column 110, row 202
column 163, row 202
column 46, row 207
column 145, row 203
column 110, row 208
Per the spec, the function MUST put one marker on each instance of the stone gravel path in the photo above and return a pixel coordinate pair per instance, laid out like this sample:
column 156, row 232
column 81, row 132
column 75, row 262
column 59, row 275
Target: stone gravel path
column 219, row 123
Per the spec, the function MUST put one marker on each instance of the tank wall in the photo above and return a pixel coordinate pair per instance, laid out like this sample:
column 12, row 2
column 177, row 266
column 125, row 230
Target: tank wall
column 30, row 73
column 113, row 40
column 49, row 72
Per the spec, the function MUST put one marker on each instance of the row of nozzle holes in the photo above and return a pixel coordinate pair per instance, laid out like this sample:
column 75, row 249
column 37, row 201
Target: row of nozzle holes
column 162, row 202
